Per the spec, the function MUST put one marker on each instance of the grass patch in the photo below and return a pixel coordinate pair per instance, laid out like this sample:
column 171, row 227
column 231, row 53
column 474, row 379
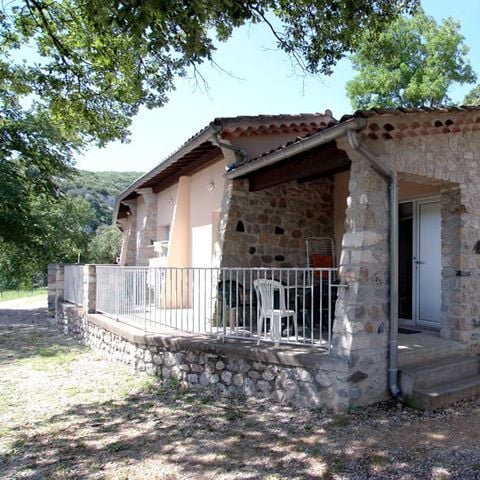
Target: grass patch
column 340, row 421
column 15, row 294
column 233, row 413
column 52, row 357
column 117, row 447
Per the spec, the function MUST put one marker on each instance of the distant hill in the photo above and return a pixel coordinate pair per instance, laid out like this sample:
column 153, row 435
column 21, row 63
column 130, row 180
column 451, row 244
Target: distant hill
column 100, row 189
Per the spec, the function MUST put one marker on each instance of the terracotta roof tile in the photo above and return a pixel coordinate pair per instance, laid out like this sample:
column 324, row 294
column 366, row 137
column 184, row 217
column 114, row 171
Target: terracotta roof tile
column 390, row 131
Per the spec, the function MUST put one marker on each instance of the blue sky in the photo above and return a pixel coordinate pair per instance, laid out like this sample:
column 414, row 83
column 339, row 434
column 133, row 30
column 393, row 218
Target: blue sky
column 260, row 80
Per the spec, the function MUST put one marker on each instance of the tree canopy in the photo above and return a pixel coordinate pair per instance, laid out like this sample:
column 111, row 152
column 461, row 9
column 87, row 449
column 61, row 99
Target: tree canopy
column 413, row 63
column 472, row 97
column 75, row 72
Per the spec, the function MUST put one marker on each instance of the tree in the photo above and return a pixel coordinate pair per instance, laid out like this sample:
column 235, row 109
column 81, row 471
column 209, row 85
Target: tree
column 57, row 234
column 413, row 63
column 472, row 97
column 105, row 245
column 75, row 72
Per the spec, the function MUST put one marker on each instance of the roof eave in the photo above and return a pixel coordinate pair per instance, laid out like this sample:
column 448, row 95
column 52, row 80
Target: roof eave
column 203, row 136
column 314, row 140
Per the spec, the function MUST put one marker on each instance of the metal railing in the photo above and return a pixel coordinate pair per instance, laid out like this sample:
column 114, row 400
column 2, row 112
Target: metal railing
column 227, row 302
column 73, row 284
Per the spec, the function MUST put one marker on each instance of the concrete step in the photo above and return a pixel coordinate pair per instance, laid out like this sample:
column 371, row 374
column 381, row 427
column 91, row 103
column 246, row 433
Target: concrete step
column 441, row 370
column 444, row 394
column 424, row 347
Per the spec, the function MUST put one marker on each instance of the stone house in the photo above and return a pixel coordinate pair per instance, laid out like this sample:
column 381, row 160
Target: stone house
column 399, row 192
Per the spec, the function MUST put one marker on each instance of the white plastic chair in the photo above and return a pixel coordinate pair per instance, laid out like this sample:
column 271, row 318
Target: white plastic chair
column 265, row 290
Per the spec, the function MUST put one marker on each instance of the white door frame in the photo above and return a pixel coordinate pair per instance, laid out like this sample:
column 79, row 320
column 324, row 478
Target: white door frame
column 416, row 203
column 416, row 252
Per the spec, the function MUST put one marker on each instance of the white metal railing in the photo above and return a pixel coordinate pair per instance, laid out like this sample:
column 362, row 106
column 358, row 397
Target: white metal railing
column 73, row 284
column 227, row 302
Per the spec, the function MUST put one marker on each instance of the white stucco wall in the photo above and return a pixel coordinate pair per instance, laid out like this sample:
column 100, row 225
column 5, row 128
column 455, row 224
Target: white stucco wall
column 165, row 209
column 256, row 144
column 205, row 203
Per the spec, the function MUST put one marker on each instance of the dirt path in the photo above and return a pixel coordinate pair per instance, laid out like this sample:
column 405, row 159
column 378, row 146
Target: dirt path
column 66, row 413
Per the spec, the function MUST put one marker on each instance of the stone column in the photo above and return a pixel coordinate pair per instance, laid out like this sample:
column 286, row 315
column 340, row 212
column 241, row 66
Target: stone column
column 129, row 245
column 125, row 227
column 461, row 266
column 147, row 232
column 361, row 323
column 89, row 288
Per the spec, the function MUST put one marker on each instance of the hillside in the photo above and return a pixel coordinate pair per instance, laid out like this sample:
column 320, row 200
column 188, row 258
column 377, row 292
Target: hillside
column 100, row 190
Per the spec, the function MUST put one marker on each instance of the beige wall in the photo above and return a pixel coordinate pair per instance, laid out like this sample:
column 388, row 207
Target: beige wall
column 203, row 203
column 166, row 201
column 256, row 144
column 411, row 190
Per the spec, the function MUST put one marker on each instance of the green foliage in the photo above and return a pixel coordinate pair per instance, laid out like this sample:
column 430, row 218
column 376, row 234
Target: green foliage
column 59, row 228
column 413, row 63
column 105, row 245
column 32, row 155
column 99, row 189
column 472, row 97
column 99, row 61
column 58, row 234
column 75, row 72
column 16, row 294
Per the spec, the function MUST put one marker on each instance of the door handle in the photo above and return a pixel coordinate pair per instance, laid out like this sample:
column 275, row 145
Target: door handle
column 418, row 262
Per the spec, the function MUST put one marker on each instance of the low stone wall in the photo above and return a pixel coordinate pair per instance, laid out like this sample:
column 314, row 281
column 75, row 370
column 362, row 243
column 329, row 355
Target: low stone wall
column 290, row 374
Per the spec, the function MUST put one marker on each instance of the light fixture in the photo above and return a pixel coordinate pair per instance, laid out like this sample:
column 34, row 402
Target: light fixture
column 170, row 201
column 211, row 186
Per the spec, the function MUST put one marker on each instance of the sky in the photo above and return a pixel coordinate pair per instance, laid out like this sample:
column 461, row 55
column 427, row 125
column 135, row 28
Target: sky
column 255, row 78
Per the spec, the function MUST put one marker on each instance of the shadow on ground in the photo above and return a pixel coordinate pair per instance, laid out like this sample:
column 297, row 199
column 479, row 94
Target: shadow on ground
column 27, row 333
column 167, row 432
column 198, row 436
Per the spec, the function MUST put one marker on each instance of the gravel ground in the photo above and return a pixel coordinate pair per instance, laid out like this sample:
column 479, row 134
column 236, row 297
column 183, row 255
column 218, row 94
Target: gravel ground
column 66, row 413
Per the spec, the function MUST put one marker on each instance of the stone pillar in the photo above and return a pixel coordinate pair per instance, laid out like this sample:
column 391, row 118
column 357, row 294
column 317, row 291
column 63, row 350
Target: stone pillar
column 89, row 288
column 52, row 288
column 460, row 266
column 360, row 332
column 125, row 227
column 129, row 245
column 147, row 230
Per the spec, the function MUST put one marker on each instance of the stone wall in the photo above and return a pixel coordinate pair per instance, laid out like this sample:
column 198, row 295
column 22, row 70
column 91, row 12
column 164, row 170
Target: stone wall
column 453, row 160
column 268, row 228
column 303, row 377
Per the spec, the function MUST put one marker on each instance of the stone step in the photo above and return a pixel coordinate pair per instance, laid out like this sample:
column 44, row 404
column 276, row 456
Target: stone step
column 444, row 394
column 414, row 349
column 434, row 372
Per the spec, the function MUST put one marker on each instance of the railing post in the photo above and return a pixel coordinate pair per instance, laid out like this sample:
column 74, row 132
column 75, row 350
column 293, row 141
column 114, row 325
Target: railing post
column 89, row 288
column 145, row 286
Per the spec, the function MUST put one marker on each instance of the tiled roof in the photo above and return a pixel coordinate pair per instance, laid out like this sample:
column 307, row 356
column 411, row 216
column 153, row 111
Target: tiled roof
column 387, row 131
column 200, row 144
column 242, row 126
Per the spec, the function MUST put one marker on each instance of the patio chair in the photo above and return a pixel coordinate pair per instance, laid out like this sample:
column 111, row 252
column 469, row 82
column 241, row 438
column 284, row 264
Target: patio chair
column 268, row 291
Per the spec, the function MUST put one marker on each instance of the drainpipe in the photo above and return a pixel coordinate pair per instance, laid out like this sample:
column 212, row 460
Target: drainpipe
column 391, row 177
column 216, row 141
